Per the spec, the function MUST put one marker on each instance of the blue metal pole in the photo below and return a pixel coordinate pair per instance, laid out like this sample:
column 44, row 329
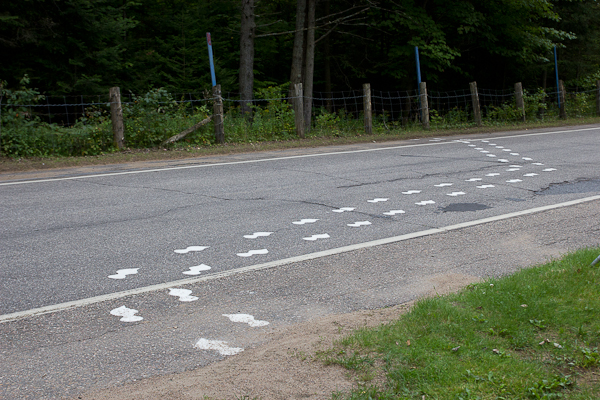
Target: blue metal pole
column 418, row 67
column 556, row 70
column 210, row 57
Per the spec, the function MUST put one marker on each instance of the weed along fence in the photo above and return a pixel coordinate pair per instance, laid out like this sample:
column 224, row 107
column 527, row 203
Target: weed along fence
column 36, row 125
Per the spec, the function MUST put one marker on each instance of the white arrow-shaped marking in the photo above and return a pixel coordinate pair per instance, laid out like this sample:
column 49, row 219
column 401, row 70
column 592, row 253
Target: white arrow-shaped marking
column 197, row 269
column 319, row 236
column 394, row 212
column 256, row 235
column 253, row 252
column 190, row 248
column 359, row 223
column 341, row 210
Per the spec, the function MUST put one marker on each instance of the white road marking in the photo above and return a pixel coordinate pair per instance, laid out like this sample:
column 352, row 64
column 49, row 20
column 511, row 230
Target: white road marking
column 253, row 252
column 256, row 235
column 305, row 221
column 484, row 151
column 549, row 169
column 473, row 179
column 485, row 186
column 394, row 212
column 126, row 314
column 478, row 148
column 286, row 261
column 425, row 202
column 492, row 174
column 412, row 192
column 246, row 319
column 491, row 155
column 506, row 150
column 516, row 166
column 183, row 294
column 359, row 223
column 319, row 236
column 514, row 180
column 377, row 200
column 191, row 248
column 536, row 163
column 530, row 174
column 218, row 345
column 144, row 171
column 443, row 184
column 454, row 194
column 197, row 269
column 527, row 159
column 514, row 154
column 513, row 169
column 122, row 273
column 341, row 210
column 502, row 160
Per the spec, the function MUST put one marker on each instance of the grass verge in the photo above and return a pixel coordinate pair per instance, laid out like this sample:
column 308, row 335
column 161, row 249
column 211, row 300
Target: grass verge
column 531, row 335
column 10, row 164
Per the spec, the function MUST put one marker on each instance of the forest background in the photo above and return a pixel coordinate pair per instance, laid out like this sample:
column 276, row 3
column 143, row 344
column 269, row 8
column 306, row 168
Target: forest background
column 156, row 51
column 87, row 46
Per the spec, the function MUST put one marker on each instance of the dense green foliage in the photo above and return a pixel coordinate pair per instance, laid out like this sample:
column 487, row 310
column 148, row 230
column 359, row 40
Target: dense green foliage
column 85, row 46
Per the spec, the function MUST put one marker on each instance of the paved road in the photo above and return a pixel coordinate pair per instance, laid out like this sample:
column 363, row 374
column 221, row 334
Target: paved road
column 65, row 240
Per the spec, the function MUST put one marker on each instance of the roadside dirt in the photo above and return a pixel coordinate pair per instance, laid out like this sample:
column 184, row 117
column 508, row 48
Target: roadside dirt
column 286, row 367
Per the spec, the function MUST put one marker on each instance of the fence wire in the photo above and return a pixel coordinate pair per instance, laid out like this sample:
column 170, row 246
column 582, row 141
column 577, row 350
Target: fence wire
column 85, row 119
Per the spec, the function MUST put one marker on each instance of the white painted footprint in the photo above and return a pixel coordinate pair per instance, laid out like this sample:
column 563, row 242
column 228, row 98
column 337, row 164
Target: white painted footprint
column 514, row 181
column 454, row 194
column 253, row 252
column 503, row 160
column 425, row 202
column 190, row 248
column 126, row 314
column 394, row 212
column 246, row 319
column 549, row 169
column 183, row 294
column 122, row 273
column 305, row 221
column 473, row 179
column 485, row 186
column 218, row 345
column 343, row 209
column 412, row 192
column 377, row 200
column 319, row 236
column 359, row 223
column 492, row 174
column 443, row 185
column 197, row 269
column 256, row 235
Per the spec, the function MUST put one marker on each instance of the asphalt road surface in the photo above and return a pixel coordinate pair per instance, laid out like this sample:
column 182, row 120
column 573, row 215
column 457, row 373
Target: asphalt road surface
column 90, row 261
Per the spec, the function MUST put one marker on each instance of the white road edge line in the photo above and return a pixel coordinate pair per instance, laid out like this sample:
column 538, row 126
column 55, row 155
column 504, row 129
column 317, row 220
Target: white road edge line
column 143, row 171
column 272, row 264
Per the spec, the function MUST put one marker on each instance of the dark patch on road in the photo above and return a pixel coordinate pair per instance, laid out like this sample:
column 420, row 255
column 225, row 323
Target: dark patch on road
column 579, row 186
column 462, row 207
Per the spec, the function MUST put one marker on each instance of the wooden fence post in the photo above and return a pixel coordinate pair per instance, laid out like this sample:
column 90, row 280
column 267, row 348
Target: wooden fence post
column 116, row 116
column 367, row 108
column 298, row 110
column 475, row 102
column 218, row 115
column 562, row 113
column 519, row 99
column 598, row 98
column 424, row 105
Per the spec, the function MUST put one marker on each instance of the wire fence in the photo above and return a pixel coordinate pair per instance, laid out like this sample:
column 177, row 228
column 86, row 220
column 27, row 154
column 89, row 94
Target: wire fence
column 46, row 125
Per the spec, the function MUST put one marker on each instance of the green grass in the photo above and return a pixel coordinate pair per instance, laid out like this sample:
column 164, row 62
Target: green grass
column 531, row 335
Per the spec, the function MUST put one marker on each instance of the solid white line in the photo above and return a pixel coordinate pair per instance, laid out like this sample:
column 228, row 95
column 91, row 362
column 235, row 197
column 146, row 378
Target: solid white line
column 272, row 264
column 144, row 171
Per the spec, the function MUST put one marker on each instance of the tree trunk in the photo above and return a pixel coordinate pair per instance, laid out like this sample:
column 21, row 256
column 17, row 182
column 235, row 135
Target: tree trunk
column 309, row 64
column 247, row 56
column 327, row 50
column 297, row 53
